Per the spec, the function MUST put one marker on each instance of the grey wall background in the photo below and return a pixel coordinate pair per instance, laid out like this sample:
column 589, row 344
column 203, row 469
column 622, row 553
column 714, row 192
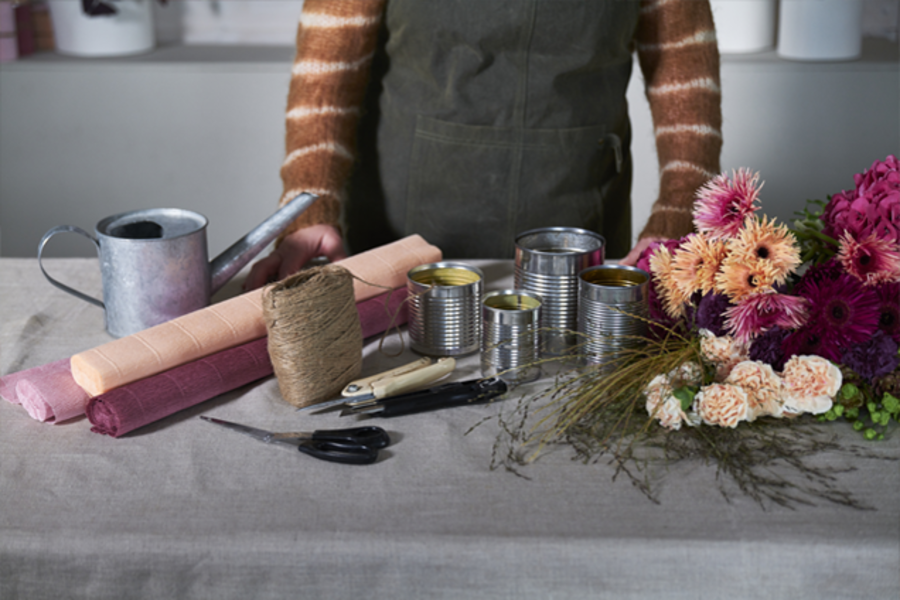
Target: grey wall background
column 201, row 127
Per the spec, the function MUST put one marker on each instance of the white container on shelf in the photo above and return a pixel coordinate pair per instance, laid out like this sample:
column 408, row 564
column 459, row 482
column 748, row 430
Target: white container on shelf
column 744, row 26
column 129, row 31
column 820, row 30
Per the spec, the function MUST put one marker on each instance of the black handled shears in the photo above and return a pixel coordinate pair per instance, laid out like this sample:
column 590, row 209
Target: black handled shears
column 354, row 446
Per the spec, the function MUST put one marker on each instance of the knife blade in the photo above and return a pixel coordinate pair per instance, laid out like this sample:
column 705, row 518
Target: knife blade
column 448, row 395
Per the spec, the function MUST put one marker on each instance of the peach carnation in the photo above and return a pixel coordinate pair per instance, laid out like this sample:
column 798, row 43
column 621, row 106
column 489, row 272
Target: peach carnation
column 810, row 384
column 763, row 387
column 722, row 404
column 662, row 405
column 723, row 351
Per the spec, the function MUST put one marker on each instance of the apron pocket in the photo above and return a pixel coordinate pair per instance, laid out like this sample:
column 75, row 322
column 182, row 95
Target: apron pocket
column 458, row 186
column 473, row 189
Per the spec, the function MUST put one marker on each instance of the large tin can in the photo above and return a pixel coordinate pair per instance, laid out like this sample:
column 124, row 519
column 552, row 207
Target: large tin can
column 612, row 310
column 509, row 348
column 444, row 315
column 548, row 262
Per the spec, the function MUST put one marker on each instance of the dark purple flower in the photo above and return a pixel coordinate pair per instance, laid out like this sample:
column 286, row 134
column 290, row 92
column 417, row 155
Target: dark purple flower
column 768, row 348
column 874, row 358
column 808, row 341
column 710, row 313
column 889, row 309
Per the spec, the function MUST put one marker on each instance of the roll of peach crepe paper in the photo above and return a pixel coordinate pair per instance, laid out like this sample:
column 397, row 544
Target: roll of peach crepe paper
column 231, row 322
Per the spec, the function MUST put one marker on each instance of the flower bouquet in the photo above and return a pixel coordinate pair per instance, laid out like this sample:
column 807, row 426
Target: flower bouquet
column 753, row 325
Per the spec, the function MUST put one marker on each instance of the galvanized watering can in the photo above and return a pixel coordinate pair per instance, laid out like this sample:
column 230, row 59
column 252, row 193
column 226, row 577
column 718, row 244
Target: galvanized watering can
column 154, row 262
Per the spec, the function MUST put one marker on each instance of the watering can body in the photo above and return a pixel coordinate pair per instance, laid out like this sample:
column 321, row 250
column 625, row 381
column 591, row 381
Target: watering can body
column 154, row 263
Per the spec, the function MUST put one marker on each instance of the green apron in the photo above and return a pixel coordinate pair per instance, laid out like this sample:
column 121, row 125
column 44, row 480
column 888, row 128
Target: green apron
column 487, row 118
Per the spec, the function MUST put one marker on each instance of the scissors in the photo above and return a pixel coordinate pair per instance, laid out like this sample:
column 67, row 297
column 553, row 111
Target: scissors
column 354, row 446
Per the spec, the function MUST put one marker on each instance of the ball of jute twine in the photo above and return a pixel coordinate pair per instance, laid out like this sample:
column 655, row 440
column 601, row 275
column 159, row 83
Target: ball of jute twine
column 315, row 339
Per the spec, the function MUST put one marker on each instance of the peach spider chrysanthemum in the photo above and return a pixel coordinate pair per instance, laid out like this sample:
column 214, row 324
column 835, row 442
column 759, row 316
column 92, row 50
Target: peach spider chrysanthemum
column 763, row 240
column 737, row 278
column 695, row 264
column 723, row 204
column 661, row 268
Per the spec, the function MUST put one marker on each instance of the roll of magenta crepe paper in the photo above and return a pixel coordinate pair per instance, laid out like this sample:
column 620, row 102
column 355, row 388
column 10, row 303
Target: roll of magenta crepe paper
column 132, row 406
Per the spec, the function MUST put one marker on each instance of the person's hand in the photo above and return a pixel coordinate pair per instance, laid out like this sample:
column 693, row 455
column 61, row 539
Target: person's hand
column 294, row 251
column 632, row 257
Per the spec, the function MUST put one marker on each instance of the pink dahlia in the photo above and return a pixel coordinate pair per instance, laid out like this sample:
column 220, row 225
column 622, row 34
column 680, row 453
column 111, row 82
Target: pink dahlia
column 873, row 206
column 723, row 204
column 756, row 314
column 872, row 260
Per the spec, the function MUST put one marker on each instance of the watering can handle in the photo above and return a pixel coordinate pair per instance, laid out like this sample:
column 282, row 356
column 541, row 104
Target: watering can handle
column 62, row 286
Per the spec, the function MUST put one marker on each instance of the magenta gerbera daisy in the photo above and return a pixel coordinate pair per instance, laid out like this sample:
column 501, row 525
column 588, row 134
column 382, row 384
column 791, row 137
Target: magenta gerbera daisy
column 758, row 313
column 872, row 260
column 842, row 312
column 826, row 271
column 723, row 204
column 889, row 309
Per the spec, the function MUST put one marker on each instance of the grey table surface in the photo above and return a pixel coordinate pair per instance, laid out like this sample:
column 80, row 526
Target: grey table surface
column 182, row 509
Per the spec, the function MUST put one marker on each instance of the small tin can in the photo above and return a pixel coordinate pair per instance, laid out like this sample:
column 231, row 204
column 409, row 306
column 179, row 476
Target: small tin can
column 612, row 310
column 509, row 348
column 444, row 316
column 548, row 262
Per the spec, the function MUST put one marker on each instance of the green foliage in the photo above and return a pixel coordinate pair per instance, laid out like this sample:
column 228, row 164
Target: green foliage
column 815, row 246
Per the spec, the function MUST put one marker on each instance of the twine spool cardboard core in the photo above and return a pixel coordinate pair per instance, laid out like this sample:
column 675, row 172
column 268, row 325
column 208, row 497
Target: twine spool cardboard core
column 315, row 339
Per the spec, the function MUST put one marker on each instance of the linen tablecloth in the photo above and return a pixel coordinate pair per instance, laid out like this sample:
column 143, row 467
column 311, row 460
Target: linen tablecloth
column 184, row 509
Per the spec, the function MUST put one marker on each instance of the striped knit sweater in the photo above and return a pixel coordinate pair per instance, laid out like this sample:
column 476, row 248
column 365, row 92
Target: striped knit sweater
column 676, row 46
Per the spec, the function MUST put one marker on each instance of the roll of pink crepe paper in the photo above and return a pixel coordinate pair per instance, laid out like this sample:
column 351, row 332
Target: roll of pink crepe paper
column 131, row 406
column 47, row 392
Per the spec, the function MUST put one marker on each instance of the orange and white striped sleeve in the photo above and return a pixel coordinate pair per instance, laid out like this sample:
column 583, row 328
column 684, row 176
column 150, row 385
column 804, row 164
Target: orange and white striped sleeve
column 336, row 42
column 679, row 57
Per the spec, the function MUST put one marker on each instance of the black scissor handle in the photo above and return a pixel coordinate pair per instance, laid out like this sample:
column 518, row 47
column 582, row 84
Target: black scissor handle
column 370, row 436
column 350, row 454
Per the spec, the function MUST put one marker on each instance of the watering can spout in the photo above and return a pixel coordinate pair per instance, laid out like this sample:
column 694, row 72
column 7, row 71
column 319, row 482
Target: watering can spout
column 228, row 263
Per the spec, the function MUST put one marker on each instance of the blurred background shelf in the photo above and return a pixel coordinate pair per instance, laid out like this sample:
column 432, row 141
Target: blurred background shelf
column 202, row 127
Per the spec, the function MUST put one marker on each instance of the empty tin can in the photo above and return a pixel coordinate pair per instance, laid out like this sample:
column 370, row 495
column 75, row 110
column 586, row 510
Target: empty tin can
column 612, row 310
column 548, row 262
column 509, row 348
column 444, row 315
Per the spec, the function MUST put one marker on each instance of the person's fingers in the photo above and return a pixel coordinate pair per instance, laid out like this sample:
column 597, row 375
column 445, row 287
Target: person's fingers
column 262, row 271
column 332, row 246
column 632, row 257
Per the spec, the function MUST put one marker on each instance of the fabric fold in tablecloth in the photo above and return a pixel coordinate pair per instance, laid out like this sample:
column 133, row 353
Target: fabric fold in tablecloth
column 49, row 392
column 230, row 323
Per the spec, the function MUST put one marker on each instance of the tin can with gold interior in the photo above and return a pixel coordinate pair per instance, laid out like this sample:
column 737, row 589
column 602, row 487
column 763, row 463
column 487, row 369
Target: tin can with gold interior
column 444, row 315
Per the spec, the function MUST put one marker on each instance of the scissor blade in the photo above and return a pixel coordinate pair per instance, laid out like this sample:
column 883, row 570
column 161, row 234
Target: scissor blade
column 328, row 405
column 259, row 434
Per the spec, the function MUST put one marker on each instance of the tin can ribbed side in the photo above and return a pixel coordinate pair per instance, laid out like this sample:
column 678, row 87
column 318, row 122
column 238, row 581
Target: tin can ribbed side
column 444, row 315
column 612, row 311
column 547, row 263
column 510, row 335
